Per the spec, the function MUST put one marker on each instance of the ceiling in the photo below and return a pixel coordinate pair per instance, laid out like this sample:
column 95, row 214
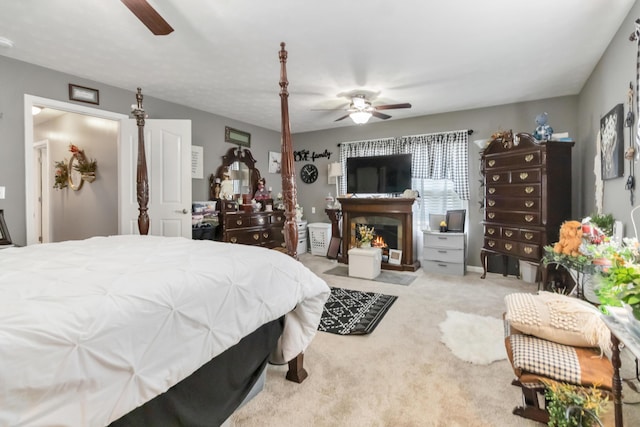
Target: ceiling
column 440, row 56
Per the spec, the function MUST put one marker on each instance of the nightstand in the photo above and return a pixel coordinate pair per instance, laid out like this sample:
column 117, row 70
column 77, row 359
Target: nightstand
column 445, row 253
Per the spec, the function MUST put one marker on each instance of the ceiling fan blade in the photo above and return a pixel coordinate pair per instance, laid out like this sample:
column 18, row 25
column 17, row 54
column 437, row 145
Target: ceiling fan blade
column 392, row 106
column 149, row 17
column 341, row 118
column 380, row 115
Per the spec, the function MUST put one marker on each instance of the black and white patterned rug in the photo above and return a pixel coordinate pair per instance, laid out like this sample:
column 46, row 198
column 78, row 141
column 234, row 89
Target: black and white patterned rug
column 349, row 312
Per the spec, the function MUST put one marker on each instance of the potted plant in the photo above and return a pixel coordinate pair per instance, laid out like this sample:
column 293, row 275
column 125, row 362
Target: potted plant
column 604, row 223
column 61, row 178
column 86, row 167
column 574, row 406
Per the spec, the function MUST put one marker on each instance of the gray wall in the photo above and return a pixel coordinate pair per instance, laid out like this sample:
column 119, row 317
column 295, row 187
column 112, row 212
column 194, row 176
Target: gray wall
column 19, row 78
column 607, row 86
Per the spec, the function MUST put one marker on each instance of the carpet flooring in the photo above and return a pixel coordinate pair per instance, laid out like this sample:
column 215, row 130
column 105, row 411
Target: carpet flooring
column 349, row 312
column 384, row 277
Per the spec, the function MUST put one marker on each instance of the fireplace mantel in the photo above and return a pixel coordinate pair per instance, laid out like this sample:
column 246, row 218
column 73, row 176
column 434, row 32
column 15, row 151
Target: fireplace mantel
column 394, row 207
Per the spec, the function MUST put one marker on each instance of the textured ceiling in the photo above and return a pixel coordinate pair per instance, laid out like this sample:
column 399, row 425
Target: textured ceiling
column 223, row 55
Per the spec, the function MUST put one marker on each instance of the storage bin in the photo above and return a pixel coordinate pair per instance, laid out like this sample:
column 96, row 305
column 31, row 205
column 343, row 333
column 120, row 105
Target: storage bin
column 528, row 271
column 319, row 237
column 365, row 262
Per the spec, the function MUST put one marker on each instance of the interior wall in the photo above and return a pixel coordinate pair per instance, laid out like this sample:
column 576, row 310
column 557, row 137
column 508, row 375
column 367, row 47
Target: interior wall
column 19, row 78
column 92, row 210
column 606, row 87
column 484, row 122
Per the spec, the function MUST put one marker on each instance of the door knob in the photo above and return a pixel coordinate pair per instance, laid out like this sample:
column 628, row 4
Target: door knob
column 183, row 211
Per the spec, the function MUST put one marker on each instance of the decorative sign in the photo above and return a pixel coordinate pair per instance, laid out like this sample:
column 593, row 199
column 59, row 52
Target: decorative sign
column 196, row 162
column 236, row 136
column 84, row 94
column 303, row 155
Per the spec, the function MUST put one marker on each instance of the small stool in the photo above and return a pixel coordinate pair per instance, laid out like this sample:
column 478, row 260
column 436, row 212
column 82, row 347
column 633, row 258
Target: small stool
column 365, row 262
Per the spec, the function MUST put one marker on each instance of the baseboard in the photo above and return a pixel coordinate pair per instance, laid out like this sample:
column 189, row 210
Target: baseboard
column 474, row 269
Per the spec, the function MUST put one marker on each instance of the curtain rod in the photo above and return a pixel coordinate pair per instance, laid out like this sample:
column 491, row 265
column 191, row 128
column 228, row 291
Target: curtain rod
column 469, row 132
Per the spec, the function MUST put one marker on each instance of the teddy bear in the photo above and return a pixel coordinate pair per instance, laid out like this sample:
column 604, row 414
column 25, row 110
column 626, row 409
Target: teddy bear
column 570, row 239
column 543, row 131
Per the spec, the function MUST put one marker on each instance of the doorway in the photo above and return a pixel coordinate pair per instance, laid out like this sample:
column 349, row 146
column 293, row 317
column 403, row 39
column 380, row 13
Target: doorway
column 34, row 219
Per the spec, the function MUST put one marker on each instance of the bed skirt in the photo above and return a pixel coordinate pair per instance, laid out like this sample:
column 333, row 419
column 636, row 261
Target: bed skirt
column 213, row 392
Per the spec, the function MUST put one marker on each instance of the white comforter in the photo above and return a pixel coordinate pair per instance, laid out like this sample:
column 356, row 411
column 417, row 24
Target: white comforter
column 91, row 329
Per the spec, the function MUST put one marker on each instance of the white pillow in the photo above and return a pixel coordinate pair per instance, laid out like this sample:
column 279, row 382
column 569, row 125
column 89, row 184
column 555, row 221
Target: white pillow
column 558, row 318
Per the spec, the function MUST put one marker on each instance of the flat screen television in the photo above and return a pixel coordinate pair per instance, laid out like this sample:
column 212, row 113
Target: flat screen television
column 379, row 174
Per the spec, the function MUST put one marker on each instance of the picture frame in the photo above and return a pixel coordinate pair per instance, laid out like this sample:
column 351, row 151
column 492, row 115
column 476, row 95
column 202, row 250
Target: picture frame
column 84, row 94
column 5, row 238
column 612, row 143
column 275, row 162
column 236, row 136
column 455, row 220
column 395, row 256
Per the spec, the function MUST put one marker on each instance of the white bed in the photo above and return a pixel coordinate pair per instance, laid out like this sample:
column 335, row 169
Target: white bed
column 91, row 329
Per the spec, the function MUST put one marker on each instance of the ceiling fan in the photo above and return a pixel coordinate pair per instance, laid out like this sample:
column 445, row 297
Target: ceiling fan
column 149, row 16
column 360, row 110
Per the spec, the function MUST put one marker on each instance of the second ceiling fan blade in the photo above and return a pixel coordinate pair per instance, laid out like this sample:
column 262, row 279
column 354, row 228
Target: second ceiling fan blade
column 380, row 115
column 393, row 106
column 341, row 118
column 149, row 17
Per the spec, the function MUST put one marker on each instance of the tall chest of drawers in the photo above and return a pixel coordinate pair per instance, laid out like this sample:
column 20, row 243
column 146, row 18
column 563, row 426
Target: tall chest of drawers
column 252, row 228
column 527, row 196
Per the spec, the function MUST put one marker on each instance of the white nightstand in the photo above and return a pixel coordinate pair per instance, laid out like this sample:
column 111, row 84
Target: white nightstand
column 445, row 253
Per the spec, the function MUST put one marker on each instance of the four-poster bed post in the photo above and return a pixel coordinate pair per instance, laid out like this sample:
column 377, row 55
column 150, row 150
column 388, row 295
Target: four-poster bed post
column 142, row 180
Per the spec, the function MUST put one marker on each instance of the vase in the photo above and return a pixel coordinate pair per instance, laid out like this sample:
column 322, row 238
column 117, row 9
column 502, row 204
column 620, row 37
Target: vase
column 89, row 176
column 365, row 244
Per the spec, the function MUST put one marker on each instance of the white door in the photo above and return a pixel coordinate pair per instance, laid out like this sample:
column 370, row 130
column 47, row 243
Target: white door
column 168, row 154
column 41, row 196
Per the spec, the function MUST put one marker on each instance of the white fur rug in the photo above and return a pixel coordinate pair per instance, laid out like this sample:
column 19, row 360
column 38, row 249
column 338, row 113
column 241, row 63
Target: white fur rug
column 473, row 338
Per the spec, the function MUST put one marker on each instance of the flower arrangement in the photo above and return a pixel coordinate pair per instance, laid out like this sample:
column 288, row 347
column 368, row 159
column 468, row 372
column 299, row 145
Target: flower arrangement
column 61, row 178
column 573, row 406
column 365, row 235
column 84, row 165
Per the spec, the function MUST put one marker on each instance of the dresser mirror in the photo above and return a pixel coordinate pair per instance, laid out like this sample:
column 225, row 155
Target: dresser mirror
column 236, row 175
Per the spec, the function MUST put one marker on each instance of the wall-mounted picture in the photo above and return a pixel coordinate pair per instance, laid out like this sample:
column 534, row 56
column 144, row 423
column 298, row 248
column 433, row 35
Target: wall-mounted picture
column 84, row 94
column 612, row 143
column 274, row 162
column 395, row 256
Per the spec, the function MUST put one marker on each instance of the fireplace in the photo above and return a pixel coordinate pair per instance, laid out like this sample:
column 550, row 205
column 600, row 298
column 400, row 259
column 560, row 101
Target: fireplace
column 392, row 219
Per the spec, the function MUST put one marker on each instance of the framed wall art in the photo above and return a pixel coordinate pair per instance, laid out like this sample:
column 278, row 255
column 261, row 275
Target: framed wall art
column 275, row 159
column 612, row 143
column 236, row 136
column 84, row 94
column 395, row 256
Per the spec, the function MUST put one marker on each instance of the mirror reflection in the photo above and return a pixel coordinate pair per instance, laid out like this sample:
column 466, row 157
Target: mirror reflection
column 236, row 176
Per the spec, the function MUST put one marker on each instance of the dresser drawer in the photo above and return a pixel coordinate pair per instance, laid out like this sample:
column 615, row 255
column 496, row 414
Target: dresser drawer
column 515, row 218
column 232, row 221
column 531, row 158
column 259, row 220
column 444, row 240
column 530, row 236
column 513, row 203
column 497, row 178
column 445, row 255
column 513, row 190
column 277, row 218
column 525, row 176
column 457, row 269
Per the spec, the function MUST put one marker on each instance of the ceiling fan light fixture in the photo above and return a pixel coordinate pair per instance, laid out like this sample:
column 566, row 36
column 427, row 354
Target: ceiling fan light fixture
column 360, row 117
column 359, row 102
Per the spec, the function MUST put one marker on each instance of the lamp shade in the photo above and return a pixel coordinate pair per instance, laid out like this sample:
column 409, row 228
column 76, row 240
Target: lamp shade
column 360, row 117
column 335, row 169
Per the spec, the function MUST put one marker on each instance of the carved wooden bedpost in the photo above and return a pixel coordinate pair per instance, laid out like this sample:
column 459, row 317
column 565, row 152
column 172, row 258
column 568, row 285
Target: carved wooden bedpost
column 288, row 170
column 142, row 180
column 296, row 371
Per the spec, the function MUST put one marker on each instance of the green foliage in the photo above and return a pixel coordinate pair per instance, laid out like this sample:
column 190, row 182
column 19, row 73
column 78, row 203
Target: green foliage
column 604, row 223
column 621, row 283
column 581, row 263
column 61, row 177
column 585, row 404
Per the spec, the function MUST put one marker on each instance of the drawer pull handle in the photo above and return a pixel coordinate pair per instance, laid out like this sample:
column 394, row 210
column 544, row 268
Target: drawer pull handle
column 491, row 243
column 528, row 236
column 492, row 190
column 279, row 218
column 260, row 221
column 529, row 203
column 265, row 234
column 508, row 246
column 492, row 162
column 528, row 218
column 491, row 215
column 239, row 222
column 528, row 158
column 524, row 176
column 528, row 250
column 491, row 202
column 508, row 233
column 233, row 240
column 442, row 265
column 256, row 236
column 529, row 190
column 491, row 231
column 495, row 178
column 442, row 252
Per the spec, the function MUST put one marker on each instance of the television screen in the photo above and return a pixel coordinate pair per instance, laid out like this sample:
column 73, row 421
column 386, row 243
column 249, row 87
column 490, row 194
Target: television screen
column 379, row 174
